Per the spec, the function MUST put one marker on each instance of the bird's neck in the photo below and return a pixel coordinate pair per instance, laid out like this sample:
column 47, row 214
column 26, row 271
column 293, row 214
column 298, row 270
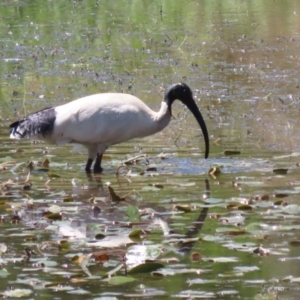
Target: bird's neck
column 162, row 117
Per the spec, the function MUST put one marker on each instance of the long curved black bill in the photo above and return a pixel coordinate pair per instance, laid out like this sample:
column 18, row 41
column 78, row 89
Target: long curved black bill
column 192, row 106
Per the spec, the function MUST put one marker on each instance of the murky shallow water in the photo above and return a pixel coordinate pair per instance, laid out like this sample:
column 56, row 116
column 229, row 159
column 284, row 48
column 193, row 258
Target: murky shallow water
column 242, row 61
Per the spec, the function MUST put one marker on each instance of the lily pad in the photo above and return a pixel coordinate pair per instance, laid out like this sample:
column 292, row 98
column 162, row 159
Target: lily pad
column 137, row 235
column 17, row 293
column 232, row 152
column 117, row 280
column 222, row 259
column 280, row 171
column 133, row 214
column 145, row 268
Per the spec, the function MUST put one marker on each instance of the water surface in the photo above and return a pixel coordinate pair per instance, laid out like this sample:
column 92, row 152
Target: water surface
column 241, row 59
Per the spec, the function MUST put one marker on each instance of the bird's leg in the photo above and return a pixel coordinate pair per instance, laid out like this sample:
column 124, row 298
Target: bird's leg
column 88, row 165
column 97, row 165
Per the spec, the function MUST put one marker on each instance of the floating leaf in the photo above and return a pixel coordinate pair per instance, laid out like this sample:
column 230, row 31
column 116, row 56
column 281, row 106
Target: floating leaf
column 151, row 169
column 266, row 296
column 235, row 219
column 185, row 208
column 46, row 163
column 280, row 171
column 294, row 154
column 246, row 268
column 285, row 193
column 168, row 271
column 156, row 185
column 264, row 197
column 295, row 242
column 196, row 256
column 63, row 245
column 233, row 205
column 114, row 197
column 261, row 251
column 279, row 202
column 223, row 259
column 139, row 254
column 150, row 188
column 117, row 280
column 67, row 230
column 40, row 170
column 27, row 187
column 281, row 195
column 133, row 214
column 100, row 257
column 3, row 202
column 76, row 259
column 3, row 272
column 237, row 232
column 137, row 235
column 96, row 211
column 68, row 199
column 105, row 255
column 52, row 175
column 3, row 248
column 231, row 152
column 100, row 236
column 291, row 209
column 186, row 184
column 111, row 241
column 30, row 166
column 162, row 155
column 17, row 293
column 245, row 207
column 212, row 238
column 55, row 216
column 255, row 226
column 145, row 268
column 54, row 209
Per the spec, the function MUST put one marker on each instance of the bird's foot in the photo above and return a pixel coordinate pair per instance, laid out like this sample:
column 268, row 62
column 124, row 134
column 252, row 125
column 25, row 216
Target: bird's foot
column 98, row 169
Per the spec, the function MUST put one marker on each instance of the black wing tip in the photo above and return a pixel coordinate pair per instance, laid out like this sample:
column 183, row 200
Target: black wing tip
column 14, row 124
column 38, row 123
column 14, row 133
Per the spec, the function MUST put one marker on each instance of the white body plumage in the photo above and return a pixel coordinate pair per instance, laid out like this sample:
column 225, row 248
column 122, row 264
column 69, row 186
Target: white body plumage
column 102, row 120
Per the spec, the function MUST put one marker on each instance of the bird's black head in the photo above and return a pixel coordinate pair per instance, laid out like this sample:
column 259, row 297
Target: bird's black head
column 182, row 92
column 179, row 91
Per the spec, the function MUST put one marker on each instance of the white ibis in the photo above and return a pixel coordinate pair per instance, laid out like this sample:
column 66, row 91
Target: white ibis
column 102, row 120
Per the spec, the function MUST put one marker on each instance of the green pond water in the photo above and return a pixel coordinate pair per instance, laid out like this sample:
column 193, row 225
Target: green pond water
column 207, row 235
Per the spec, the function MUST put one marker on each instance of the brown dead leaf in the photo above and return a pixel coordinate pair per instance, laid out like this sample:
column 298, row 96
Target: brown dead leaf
column 114, row 197
column 46, row 163
column 196, row 256
column 100, row 257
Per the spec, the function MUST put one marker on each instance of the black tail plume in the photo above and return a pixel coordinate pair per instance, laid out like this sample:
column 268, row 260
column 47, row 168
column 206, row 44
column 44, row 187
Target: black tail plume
column 38, row 123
